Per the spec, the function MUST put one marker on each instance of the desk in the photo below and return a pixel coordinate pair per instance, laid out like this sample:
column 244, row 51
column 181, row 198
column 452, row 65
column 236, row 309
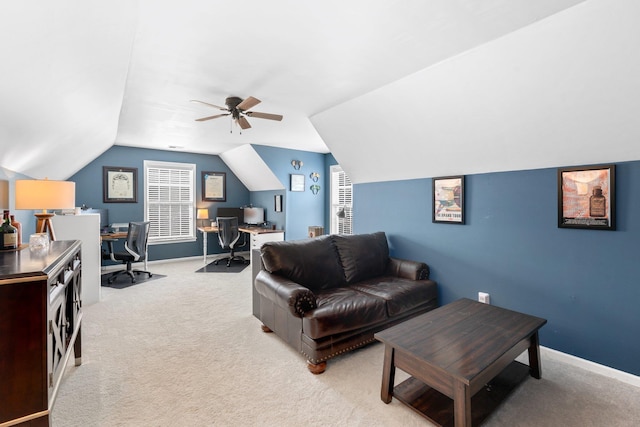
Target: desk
column 121, row 235
column 259, row 236
column 114, row 236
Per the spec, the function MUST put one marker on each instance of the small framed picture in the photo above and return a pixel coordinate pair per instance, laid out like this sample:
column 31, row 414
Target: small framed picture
column 587, row 197
column 119, row 184
column 214, row 186
column 448, row 199
column 277, row 202
column 297, row 182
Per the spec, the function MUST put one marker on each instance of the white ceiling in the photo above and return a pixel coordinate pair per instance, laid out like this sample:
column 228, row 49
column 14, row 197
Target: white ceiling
column 370, row 81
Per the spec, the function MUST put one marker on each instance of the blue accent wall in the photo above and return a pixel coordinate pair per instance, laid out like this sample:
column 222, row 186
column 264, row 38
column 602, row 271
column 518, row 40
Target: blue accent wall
column 89, row 192
column 584, row 282
column 302, row 209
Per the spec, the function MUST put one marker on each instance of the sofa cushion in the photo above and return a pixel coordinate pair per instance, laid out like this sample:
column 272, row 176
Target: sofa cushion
column 401, row 295
column 312, row 263
column 362, row 255
column 342, row 309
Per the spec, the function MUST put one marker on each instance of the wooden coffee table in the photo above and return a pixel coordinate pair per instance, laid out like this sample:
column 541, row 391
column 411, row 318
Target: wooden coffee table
column 461, row 358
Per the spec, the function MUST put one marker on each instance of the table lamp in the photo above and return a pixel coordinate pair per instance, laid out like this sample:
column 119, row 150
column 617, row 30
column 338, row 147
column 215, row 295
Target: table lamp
column 202, row 213
column 45, row 194
column 4, row 194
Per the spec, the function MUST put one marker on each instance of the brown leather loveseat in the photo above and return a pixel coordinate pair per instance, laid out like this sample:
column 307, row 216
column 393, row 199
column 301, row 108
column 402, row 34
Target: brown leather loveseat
column 328, row 295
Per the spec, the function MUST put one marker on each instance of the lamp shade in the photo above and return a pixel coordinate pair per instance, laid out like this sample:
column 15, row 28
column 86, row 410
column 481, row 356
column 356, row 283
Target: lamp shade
column 202, row 214
column 4, row 194
column 45, row 194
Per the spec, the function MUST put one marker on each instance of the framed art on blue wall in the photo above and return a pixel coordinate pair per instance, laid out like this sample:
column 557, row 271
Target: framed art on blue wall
column 297, row 182
column 119, row 185
column 587, row 197
column 214, row 186
column 448, row 199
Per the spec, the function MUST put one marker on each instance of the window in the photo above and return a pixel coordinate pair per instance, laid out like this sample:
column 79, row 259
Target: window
column 341, row 202
column 169, row 199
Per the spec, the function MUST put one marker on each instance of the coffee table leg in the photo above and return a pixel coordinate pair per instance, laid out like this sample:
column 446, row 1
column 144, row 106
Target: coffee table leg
column 388, row 374
column 461, row 405
column 534, row 357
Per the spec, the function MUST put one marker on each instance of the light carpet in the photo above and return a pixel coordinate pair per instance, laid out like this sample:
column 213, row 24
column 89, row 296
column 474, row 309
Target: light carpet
column 185, row 350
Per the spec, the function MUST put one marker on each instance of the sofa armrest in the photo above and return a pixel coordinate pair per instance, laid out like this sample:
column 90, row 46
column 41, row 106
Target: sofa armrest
column 407, row 269
column 285, row 293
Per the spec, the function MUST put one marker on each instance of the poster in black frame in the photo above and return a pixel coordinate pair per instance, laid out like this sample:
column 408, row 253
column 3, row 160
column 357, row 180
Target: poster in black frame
column 448, row 199
column 587, row 197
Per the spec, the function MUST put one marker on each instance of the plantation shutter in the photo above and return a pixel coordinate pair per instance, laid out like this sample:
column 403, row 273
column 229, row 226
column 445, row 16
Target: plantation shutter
column 170, row 201
column 341, row 199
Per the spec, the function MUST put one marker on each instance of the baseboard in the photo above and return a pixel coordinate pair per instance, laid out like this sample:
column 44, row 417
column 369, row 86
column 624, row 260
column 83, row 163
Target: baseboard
column 549, row 353
column 588, row 365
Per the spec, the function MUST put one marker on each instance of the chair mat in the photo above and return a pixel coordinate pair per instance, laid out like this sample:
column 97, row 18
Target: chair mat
column 124, row 281
column 235, row 267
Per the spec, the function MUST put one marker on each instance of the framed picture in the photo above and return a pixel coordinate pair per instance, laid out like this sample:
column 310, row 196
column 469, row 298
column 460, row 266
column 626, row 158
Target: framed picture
column 214, row 187
column 277, row 202
column 119, row 185
column 587, row 197
column 448, row 199
column 297, row 182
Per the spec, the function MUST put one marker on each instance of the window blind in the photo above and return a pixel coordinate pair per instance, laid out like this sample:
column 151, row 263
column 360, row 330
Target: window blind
column 170, row 201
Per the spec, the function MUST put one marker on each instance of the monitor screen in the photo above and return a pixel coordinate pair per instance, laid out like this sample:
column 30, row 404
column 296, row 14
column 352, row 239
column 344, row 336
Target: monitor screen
column 253, row 216
column 227, row 212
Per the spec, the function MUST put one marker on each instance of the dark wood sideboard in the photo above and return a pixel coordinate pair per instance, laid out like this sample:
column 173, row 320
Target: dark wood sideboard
column 40, row 318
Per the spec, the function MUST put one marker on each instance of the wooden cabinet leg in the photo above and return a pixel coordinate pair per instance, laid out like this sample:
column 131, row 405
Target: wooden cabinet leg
column 77, row 347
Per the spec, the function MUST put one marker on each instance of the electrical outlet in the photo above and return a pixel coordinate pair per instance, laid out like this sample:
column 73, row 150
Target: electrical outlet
column 484, row 297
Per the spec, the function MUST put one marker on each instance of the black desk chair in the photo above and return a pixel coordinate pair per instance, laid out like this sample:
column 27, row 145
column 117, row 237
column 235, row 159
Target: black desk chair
column 228, row 236
column 135, row 250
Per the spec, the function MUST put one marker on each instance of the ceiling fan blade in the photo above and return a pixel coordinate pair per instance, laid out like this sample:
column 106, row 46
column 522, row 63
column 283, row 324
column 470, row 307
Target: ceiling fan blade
column 243, row 123
column 248, row 103
column 211, row 117
column 210, row 105
column 267, row 116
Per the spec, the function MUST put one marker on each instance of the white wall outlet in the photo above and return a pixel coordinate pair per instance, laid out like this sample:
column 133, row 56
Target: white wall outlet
column 484, row 297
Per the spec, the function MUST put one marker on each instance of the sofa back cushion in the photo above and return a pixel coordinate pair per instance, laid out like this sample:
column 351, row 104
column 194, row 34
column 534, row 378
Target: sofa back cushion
column 362, row 256
column 313, row 263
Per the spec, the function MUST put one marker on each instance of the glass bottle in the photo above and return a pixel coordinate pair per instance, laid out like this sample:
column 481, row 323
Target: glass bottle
column 597, row 203
column 9, row 233
column 18, row 226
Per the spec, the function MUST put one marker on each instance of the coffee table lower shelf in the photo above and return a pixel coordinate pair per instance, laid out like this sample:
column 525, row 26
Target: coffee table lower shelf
column 438, row 408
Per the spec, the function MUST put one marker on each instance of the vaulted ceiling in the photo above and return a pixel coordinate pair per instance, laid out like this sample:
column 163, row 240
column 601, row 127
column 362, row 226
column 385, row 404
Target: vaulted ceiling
column 394, row 89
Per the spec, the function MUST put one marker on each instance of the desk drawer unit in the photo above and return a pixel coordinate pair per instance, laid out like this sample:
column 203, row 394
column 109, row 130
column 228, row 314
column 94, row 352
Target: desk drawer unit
column 259, row 239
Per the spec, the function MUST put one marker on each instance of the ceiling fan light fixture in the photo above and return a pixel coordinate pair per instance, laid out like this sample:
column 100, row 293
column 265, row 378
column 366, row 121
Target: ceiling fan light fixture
column 237, row 108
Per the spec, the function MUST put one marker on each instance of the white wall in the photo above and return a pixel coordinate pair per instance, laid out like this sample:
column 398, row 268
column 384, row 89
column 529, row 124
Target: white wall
column 562, row 91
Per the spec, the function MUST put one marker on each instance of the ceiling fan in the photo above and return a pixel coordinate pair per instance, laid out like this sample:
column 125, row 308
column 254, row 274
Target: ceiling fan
column 237, row 108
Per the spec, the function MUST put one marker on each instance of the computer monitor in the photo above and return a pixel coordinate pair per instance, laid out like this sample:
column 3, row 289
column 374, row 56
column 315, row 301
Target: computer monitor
column 227, row 212
column 253, row 216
